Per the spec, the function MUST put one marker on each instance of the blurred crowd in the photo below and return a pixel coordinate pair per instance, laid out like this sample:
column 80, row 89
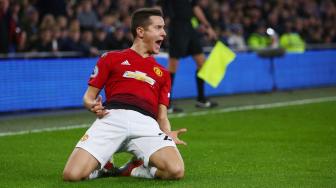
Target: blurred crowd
column 89, row 26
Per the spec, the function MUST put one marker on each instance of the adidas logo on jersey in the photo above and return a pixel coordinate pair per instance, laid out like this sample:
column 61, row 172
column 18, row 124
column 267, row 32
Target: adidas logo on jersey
column 125, row 63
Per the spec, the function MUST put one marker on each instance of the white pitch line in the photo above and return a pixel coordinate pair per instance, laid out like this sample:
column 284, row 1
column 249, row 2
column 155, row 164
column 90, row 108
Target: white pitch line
column 257, row 106
column 51, row 129
column 222, row 110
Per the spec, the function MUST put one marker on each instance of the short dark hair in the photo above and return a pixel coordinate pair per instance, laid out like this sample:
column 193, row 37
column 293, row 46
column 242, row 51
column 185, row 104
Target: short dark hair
column 140, row 18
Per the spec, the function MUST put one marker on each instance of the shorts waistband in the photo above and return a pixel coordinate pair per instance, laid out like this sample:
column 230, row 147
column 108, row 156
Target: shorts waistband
column 119, row 105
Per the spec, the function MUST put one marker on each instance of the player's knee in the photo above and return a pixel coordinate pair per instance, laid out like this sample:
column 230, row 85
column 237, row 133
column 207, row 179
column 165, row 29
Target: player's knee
column 71, row 175
column 176, row 172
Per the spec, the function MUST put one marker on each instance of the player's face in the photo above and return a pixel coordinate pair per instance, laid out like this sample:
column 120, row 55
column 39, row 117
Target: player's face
column 154, row 34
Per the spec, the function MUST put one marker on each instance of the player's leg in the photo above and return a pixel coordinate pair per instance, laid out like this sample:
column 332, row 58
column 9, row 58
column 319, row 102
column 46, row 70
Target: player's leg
column 96, row 147
column 79, row 165
column 165, row 163
column 168, row 162
column 159, row 154
column 109, row 170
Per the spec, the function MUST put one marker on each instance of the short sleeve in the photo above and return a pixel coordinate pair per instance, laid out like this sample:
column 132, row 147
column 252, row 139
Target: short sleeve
column 165, row 90
column 100, row 73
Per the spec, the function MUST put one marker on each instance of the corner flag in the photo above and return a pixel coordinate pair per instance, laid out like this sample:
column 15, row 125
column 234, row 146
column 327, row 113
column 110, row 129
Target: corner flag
column 214, row 68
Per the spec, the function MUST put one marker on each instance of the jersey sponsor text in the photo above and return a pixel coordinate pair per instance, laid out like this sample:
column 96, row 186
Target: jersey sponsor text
column 138, row 75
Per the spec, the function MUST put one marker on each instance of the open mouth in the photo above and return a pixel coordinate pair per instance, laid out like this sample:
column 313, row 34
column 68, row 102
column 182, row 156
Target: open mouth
column 159, row 42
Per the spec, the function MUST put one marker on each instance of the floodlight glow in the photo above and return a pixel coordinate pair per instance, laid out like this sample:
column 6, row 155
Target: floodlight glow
column 270, row 31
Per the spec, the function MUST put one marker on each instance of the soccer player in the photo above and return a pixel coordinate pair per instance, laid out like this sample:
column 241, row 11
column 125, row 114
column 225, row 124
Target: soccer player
column 134, row 116
column 184, row 41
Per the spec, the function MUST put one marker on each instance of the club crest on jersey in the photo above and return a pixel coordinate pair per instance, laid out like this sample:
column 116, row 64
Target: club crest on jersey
column 158, row 71
column 139, row 76
column 95, row 72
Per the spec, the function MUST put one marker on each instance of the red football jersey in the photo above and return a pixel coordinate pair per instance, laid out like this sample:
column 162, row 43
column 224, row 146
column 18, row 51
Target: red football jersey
column 131, row 79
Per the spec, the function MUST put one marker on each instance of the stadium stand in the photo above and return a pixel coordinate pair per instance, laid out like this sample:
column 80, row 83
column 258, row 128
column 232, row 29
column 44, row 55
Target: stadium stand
column 87, row 26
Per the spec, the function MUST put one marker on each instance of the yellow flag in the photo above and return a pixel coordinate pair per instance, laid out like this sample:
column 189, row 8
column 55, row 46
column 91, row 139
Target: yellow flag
column 214, row 68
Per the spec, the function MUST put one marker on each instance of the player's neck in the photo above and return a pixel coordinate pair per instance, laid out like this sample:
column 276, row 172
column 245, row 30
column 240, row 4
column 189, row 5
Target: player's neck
column 140, row 48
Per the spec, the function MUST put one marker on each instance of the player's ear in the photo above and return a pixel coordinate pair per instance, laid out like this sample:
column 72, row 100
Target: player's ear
column 140, row 32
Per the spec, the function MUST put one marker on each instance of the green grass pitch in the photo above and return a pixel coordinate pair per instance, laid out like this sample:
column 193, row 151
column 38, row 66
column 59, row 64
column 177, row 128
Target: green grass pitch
column 291, row 146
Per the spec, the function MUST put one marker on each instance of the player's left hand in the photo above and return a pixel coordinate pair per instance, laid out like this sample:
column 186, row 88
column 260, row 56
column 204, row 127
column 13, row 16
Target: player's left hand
column 174, row 135
column 98, row 108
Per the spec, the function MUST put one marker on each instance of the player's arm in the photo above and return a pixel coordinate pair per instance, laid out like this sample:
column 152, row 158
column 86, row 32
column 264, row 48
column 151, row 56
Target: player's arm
column 164, row 124
column 163, row 119
column 201, row 17
column 93, row 102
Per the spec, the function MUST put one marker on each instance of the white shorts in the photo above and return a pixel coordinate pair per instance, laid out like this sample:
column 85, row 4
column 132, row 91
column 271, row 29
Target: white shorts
column 124, row 130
